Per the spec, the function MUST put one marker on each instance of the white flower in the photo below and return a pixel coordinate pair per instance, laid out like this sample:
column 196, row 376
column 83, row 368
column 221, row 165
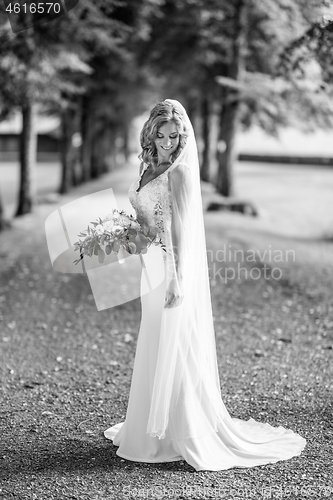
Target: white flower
column 99, row 229
column 124, row 220
column 108, row 225
column 117, row 230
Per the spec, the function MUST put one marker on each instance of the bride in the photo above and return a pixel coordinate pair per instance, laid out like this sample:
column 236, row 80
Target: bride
column 175, row 410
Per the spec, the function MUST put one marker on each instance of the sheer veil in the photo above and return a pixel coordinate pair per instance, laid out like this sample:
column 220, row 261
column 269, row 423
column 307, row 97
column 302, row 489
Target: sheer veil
column 186, row 386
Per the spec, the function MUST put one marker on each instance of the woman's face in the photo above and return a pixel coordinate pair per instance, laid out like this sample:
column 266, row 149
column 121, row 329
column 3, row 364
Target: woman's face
column 167, row 140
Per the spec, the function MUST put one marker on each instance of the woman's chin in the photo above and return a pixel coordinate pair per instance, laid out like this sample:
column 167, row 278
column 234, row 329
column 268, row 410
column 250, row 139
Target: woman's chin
column 166, row 154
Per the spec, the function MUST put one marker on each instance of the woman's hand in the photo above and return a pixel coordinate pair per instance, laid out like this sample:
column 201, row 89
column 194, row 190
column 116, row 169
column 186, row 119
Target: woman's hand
column 174, row 295
column 148, row 232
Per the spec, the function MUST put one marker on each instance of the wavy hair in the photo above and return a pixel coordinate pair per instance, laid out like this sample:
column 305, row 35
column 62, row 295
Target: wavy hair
column 161, row 113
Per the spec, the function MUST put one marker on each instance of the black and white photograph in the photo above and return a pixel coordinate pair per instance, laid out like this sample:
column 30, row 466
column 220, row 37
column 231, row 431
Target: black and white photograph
column 166, row 249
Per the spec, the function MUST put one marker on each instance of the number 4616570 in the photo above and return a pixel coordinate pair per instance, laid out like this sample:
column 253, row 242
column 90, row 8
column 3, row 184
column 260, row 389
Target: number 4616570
column 33, row 7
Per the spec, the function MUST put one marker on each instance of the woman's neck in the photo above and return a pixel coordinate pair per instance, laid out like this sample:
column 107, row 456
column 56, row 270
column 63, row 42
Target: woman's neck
column 158, row 163
column 164, row 159
column 163, row 162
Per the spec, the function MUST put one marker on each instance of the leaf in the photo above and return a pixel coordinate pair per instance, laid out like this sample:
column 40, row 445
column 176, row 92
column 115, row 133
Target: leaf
column 132, row 232
column 131, row 247
column 101, row 255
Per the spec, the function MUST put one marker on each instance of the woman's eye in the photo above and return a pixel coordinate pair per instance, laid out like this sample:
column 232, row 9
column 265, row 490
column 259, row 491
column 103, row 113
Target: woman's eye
column 171, row 136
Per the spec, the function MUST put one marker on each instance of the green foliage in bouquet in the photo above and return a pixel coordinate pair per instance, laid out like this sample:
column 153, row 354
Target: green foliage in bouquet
column 115, row 230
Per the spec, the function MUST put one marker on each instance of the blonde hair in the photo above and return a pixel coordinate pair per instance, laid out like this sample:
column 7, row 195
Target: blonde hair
column 162, row 112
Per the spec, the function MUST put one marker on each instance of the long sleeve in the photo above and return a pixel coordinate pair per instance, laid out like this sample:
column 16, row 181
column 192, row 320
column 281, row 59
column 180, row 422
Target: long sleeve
column 180, row 188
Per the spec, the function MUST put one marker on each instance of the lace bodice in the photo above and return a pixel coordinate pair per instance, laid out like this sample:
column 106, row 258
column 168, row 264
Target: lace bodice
column 152, row 203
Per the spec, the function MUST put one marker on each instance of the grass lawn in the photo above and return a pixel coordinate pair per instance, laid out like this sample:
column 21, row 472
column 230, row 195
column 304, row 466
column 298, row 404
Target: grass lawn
column 66, row 368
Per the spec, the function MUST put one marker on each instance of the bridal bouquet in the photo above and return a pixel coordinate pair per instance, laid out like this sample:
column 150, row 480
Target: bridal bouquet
column 111, row 232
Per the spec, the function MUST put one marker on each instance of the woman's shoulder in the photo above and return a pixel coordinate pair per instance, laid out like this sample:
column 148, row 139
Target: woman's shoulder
column 180, row 171
column 180, row 178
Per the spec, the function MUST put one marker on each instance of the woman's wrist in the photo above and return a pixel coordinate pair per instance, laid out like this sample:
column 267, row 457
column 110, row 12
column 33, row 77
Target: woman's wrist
column 178, row 279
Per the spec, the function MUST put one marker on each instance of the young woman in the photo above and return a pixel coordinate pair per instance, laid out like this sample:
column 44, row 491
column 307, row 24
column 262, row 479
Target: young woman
column 175, row 410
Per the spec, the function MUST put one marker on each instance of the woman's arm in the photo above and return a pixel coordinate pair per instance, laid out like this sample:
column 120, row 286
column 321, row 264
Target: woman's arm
column 180, row 186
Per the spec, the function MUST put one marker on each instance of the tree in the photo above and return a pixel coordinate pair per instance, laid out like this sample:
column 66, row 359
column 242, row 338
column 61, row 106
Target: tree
column 230, row 109
column 313, row 45
column 30, row 77
column 17, row 90
column 250, row 92
column 2, row 221
column 112, row 90
column 48, row 67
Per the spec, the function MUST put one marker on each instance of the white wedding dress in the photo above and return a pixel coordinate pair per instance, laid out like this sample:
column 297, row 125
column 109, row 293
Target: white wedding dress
column 224, row 442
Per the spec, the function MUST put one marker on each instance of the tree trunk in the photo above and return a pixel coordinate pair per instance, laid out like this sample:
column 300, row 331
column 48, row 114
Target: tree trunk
column 111, row 148
column 70, row 156
column 77, row 147
column 205, row 115
column 226, row 147
column 87, row 131
column 2, row 222
column 100, row 150
column 67, row 150
column 97, row 155
column 230, row 108
column 126, row 141
column 28, row 152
